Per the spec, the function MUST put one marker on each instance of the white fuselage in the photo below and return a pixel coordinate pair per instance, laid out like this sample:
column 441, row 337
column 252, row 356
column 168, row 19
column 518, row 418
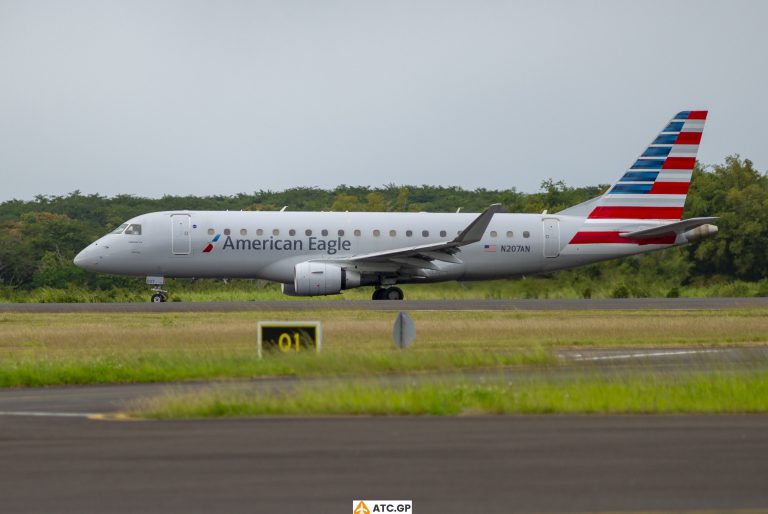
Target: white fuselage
column 321, row 253
column 268, row 245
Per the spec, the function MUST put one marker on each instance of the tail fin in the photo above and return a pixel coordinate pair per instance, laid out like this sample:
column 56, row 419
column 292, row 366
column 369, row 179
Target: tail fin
column 655, row 186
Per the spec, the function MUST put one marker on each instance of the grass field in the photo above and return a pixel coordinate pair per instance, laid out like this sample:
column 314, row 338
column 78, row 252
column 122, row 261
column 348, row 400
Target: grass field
column 561, row 285
column 49, row 349
column 637, row 393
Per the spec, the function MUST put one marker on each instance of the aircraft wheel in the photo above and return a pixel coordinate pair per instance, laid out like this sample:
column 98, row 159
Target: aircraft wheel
column 394, row 293
column 379, row 294
column 158, row 298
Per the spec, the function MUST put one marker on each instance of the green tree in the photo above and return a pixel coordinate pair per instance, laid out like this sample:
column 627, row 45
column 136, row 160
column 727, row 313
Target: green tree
column 737, row 193
column 375, row 202
column 401, row 201
column 346, row 202
column 24, row 242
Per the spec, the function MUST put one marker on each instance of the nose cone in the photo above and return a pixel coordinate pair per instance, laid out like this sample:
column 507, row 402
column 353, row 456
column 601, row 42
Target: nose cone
column 89, row 258
column 80, row 259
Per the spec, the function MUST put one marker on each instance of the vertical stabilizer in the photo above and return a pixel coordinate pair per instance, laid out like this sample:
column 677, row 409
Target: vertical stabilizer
column 656, row 185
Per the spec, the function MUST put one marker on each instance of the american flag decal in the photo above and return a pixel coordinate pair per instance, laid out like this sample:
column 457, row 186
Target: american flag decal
column 489, row 248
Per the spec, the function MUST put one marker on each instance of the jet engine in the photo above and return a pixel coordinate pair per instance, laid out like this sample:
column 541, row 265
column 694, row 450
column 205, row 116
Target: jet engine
column 314, row 278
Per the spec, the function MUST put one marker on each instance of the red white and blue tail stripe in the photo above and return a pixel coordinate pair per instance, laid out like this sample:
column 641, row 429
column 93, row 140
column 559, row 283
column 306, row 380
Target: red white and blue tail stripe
column 652, row 192
column 656, row 185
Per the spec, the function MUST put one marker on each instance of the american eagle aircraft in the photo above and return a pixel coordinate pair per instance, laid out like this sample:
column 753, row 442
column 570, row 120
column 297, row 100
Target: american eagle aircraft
column 324, row 253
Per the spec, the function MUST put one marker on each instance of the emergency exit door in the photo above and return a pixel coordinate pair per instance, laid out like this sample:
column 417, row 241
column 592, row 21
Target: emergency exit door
column 181, row 240
column 551, row 237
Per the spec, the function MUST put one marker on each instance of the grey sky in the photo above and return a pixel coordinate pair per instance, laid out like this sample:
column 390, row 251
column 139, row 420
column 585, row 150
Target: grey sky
column 219, row 97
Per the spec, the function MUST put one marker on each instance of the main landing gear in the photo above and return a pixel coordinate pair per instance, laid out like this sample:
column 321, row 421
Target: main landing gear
column 388, row 293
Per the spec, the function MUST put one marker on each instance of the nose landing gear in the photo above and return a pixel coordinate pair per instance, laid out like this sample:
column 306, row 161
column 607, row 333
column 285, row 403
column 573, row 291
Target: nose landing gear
column 159, row 295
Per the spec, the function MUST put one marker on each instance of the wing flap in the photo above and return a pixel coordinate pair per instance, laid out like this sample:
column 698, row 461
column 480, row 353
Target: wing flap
column 415, row 262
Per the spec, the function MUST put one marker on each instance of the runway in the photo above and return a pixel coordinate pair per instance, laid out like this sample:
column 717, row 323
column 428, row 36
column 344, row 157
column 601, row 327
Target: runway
column 445, row 465
column 411, row 305
column 60, row 453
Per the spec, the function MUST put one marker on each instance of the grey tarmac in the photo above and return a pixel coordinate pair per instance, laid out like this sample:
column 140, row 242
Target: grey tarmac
column 394, row 305
column 445, row 465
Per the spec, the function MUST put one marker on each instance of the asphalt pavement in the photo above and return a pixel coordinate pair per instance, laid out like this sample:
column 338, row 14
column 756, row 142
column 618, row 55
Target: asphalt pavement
column 411, row 305
column 445, row 465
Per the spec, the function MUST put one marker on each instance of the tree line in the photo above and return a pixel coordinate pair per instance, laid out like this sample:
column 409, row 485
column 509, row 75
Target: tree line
column 40, row 237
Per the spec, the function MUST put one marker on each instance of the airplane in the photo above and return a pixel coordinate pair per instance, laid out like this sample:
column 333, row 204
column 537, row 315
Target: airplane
column 325, row 253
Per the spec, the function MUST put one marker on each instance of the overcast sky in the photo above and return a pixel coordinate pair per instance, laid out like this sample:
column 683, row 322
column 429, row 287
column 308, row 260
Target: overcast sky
column 220, row 97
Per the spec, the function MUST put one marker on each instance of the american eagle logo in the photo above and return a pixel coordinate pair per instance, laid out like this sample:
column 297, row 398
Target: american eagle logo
column 210, row 245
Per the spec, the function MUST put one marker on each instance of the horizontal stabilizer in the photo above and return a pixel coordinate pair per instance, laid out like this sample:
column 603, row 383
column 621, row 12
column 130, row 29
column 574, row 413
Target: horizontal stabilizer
column 671, row 228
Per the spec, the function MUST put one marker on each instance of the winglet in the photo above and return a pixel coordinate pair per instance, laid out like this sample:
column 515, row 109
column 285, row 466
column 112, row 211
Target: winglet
column 475, row 230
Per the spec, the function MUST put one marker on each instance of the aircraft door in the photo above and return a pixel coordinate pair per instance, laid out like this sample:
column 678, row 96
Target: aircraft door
column 181, row 240
column 551, row 237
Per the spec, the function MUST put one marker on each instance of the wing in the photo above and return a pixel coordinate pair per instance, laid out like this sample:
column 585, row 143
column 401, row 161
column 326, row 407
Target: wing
column 421, row 256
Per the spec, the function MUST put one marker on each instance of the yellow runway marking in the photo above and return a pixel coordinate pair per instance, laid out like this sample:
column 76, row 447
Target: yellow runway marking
column 113, row 416
column 96, row 416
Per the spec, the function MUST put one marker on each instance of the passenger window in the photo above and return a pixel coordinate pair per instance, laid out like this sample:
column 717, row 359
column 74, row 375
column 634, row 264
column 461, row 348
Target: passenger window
column 243, row 232
column 408, row 233
column 275, row 232
column 133, row 230
column 357, row 233
column 392, row 233
column 211, row 231
column 291, row 232
column 425, row 233
column 526, row 234
column 509, row 234
column 226, row 231
column 119, row 230
column 259, row 232
column 308, row 232
column 494, row 233
column 324, row 232
column 376, row 233
column 341, row 233
column 443, row 233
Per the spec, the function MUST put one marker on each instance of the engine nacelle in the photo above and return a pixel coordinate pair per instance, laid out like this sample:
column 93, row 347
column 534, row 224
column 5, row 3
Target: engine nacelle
column 700, row 232
column 321, row 278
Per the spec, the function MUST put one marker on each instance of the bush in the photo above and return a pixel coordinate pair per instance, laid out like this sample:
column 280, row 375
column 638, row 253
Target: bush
column 620, row 292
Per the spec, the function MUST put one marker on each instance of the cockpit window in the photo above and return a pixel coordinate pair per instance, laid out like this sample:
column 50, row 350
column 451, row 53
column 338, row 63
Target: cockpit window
column 119, row 230
column 134, row 229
